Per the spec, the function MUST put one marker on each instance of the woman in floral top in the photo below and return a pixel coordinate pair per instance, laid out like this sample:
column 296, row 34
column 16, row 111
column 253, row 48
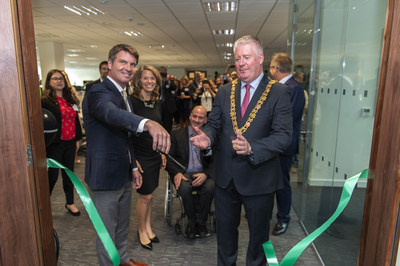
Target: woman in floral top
column 58, row 100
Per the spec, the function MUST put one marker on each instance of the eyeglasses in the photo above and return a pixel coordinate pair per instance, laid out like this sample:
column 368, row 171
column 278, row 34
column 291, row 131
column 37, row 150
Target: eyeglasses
column 57, row 79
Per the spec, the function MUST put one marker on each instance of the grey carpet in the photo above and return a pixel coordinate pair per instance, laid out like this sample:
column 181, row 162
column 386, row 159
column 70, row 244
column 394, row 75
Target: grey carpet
column 77, row 235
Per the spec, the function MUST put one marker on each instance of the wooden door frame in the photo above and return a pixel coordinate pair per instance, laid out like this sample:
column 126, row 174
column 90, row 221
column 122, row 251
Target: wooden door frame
column 26, row 229
column 379, row 241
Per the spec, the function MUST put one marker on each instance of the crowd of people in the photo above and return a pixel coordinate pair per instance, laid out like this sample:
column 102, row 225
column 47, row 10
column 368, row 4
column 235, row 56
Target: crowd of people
column 234, row 140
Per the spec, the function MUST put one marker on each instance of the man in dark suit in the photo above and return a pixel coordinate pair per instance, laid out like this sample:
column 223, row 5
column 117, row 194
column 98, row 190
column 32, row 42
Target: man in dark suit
column 253, row 118
column 197, row 174
column 195, row 90
column 111, row 171
column 103, row 69
column 168, row 98
column 280, row 69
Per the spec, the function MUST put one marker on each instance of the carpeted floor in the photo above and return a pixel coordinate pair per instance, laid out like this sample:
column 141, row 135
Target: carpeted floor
column 77, row 235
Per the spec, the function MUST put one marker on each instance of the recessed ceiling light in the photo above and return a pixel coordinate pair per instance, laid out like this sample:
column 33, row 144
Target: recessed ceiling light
column 224, row 32
column 220, row 6
column 226, row 44
column 75, row 50
column 72, row 55
column 133, row 33
column 87, row 10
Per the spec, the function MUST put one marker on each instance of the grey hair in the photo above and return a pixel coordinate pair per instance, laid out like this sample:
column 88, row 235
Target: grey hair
column 249, row 39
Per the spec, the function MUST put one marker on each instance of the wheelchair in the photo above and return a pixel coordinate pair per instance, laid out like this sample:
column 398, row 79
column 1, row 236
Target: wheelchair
column 182, row 220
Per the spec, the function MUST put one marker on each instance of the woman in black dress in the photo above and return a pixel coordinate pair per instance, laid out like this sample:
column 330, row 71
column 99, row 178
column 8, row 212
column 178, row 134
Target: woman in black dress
column 144, row 99
column 58, row 99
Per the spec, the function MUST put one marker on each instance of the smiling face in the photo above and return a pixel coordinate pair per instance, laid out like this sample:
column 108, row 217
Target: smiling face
column 122, row 69
column 248, row 61
column 148, row 81
column 198, row 117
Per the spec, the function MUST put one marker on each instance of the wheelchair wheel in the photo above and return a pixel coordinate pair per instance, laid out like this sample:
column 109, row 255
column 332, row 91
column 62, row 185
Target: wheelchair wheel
column 168, row 202
column 178, row 229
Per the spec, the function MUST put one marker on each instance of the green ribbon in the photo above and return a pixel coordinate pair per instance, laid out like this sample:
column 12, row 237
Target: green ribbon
column 292, row 256
column 91, row 210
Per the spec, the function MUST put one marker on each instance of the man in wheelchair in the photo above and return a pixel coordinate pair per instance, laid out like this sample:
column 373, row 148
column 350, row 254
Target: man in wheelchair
column 196, row 176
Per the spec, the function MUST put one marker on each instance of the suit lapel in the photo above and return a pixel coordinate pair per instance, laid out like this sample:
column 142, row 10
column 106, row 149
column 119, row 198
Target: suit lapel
column 117, row 93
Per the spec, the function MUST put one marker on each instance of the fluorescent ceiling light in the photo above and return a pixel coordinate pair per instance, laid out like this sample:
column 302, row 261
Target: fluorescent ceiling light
column 133, row 33
column 91, row 10
column 224, row 32
column 75, row 50
column 220, row 6
column 72, row 10
column 227, row 44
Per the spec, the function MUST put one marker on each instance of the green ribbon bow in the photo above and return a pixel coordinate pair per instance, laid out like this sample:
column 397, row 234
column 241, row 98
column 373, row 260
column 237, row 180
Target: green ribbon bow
column 91, row 210
column 292, row 256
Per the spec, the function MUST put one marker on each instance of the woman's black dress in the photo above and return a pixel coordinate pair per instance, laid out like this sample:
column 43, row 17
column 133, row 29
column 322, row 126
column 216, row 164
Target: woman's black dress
column 149, row 160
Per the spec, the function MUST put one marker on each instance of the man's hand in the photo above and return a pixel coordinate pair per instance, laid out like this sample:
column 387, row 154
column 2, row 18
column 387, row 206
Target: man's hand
column 136, row 179
column 200, row 178
column 240, row 144
column 161, row 138
column 201, row 140
column 178, row 179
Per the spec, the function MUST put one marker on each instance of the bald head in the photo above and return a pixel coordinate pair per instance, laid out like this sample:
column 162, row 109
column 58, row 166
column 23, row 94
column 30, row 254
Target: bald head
column 198, row 117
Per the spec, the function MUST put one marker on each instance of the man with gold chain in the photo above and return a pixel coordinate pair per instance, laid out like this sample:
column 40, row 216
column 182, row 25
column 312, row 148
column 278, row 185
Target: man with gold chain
column 251, row 118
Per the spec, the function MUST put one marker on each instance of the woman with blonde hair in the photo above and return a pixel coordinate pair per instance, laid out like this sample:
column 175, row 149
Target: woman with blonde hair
column 145, row 102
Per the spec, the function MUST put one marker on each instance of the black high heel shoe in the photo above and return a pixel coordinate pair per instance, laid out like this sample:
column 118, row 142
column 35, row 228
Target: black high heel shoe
column 72, row 213
column 148, row 246
column 154, row 239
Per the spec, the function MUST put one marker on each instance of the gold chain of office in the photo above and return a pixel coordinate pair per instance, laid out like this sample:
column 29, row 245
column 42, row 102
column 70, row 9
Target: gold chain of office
column 253, row 112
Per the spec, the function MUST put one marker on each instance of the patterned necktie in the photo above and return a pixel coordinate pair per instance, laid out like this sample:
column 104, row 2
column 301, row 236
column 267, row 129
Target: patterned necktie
column 245, row 102
column 128, row 107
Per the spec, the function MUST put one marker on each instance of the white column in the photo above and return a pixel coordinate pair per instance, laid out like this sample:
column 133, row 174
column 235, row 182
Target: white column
column 51, row 56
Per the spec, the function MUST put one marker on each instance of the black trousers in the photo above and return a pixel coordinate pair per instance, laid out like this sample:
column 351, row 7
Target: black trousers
column 64, row 153
column 228, row 206
column 206, row 194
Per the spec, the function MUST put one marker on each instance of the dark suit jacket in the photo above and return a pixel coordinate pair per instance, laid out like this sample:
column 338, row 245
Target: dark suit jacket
column 269, row 134
column 89, row 85
column 108, row 126
column 180, row 151
column 297, row 99
column 55, row 110
column 169, row 101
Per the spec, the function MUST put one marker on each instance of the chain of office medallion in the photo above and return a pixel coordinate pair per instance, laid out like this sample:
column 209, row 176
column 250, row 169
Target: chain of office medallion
column 253, row 112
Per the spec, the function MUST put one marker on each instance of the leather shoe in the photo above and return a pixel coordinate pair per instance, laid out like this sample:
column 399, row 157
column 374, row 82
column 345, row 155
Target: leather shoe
column 72, row 213
column 148, row 246
column 133, row 263
column 280, row 228
column 155, row 239
column 202, row 230
column 190, row 232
